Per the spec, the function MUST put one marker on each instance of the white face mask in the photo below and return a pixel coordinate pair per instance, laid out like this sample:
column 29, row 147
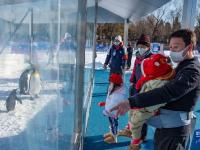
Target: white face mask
column 141, row 51
column 178, row 56
column 116, row 43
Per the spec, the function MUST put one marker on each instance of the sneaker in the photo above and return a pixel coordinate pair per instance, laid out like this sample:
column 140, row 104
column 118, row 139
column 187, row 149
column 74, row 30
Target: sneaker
column 111, row 139
column 125, row 132
column 134, row 147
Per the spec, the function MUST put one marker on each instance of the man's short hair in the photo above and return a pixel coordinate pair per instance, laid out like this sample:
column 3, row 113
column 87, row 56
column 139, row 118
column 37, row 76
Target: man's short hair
column 187, row 35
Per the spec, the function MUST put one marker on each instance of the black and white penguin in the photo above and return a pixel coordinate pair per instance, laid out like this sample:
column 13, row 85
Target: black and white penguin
column 30, row 82
column 34, row 84
column 11, row 100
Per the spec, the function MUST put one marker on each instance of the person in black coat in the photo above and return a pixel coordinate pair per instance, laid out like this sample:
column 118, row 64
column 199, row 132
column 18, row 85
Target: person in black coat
column 116, row 57
column 174, row 121
column 130, row 53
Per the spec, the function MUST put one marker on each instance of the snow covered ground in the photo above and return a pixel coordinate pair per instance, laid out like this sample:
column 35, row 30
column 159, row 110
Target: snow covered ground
column 14, row 122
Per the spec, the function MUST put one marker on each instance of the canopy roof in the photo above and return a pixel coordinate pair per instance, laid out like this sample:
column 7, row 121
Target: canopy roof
column 132, row 9
column 109, row 11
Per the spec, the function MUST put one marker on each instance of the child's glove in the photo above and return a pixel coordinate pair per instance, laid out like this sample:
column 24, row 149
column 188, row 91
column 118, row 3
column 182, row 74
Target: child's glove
column 101, row 104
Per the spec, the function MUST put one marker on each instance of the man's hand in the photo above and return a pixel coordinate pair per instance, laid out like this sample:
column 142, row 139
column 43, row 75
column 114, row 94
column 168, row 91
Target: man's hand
column 105, row 66
column 131, row 83
column 121, row 108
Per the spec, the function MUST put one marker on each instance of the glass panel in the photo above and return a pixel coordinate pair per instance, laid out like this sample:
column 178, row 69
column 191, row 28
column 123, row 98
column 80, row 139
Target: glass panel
column 39, row 36
column 88, row 72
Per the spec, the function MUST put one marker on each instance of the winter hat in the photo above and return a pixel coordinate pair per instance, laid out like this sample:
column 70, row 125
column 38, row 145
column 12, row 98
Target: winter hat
column 119, row 38
column 155, row 67
column 144, row 40
column 116, row 78
column 67, row 35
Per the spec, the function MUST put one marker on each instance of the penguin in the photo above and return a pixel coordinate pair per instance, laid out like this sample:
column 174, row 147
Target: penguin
column 24, row 81
column 30, row 82
column 11, row 100
column 34, row 84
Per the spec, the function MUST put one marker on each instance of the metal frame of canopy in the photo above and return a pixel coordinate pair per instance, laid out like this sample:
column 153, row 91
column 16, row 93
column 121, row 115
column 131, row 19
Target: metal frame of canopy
column 8, row 2
column 110, row 11
column 132, row 9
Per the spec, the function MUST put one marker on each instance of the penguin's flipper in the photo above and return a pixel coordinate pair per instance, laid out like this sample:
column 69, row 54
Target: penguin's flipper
column 19, row 100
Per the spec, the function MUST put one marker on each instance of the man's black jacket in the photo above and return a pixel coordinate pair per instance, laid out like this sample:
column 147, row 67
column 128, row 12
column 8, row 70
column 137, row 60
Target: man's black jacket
column 180, row 94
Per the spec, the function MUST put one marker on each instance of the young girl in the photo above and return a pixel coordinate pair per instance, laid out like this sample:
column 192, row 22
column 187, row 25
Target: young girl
column 116, row 93
column 156, row 72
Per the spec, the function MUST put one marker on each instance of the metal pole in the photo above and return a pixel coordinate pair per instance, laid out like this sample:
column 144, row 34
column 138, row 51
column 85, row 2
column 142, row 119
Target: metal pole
column 79, row 79
column 189, row 14
column 94, row 38
column 58, row 32
column 31, row 36
column 126, row 26
column 57, row 64
column 87, row 103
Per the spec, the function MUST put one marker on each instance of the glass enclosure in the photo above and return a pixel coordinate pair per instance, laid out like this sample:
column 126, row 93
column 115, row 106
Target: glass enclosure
column 89, row 59
column 41, row 35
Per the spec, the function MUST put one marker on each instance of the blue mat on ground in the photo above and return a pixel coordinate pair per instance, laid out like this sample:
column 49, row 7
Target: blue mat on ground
column 98, row 124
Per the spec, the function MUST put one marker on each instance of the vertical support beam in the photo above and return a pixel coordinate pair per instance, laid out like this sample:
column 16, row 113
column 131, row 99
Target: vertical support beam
column 79, row 79
column 52, row 28
column 94, row 38
column 126, row 26
column 51, row 33
column 31, row 35
column 189, row 14
column 59, row 24
column 94, row 55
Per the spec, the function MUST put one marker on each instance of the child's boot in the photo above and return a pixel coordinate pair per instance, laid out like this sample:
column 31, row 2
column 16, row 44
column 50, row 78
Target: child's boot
column 107, row 135
column 135, row 144
column 133, row 147
column 111, row 139
column 125, row 132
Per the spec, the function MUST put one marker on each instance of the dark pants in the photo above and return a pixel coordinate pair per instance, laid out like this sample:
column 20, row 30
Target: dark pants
column 129, row 60
column 113, row 125
column 170, row 139
column 144, row 131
